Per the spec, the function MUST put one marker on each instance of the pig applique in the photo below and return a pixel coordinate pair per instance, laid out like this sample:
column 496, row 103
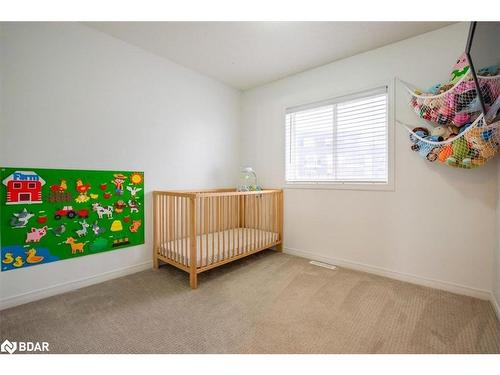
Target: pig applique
column 36, row 234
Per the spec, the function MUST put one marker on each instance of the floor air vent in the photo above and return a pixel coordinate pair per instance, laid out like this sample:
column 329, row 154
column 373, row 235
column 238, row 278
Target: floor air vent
column 321, row 264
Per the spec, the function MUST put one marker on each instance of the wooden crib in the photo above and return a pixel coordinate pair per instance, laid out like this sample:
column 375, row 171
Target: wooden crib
column 200, row 230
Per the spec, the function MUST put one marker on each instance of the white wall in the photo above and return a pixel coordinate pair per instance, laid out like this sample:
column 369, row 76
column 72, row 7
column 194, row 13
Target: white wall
column 436, row 228
column 73, row 97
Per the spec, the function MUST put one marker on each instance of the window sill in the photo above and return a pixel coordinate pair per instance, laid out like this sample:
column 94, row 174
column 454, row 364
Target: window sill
column 370, row 186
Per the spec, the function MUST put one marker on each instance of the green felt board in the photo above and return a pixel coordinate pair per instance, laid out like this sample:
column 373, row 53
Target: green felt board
column 41, row 200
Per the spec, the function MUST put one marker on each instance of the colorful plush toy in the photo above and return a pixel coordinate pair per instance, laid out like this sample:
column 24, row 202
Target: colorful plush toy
column 445, row 153
column 488, row 71
column 441, row 132
column 475, row 138
column 461, row 119
column 424, row 148
column 460, row 69
column 460, row 156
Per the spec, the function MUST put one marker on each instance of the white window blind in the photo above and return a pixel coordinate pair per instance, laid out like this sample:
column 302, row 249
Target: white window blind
column 340, row 140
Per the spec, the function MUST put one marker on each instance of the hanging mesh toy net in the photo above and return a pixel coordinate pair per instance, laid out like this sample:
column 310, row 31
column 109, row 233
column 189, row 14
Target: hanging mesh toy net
column 459, row 134
column 458, row 104
column 471, row 148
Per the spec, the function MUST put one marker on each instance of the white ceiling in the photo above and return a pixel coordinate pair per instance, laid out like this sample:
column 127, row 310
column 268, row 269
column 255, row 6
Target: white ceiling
column 248, row 54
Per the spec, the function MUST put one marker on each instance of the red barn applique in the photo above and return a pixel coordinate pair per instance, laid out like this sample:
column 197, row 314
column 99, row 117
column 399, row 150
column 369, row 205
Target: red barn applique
column 24, row 187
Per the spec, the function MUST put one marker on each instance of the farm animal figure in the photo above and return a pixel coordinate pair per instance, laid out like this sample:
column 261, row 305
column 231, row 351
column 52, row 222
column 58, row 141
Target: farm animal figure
column 82, row 190
column 100, row 210
column 60, row 229
column 75, row 246
column 61, row 188
column 8, row 259
column 20, row 220
column 36, row 234
column 135, row 226
column 97, row 229
column 19, row 262
column 83, row 231
column 32, row 257
column 134, row 205
column 133, row 190
column 81, row 187
column 118, row 182
column 119, row 206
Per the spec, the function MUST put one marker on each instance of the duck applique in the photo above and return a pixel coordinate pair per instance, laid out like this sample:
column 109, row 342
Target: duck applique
column 32, row 257
column 8, row 259
column 19, row 262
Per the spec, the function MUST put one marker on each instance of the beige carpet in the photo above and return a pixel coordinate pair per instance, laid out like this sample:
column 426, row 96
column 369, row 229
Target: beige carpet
column 267, row 303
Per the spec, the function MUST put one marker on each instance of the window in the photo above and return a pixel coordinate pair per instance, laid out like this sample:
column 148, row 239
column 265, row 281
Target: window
column 31, row 185
column 342, row 140
column 16, row 185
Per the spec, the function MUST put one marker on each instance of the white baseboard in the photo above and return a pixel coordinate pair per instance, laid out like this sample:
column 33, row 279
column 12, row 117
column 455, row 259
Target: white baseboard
column 496, row 305
column 413, row 279
column 71, row 285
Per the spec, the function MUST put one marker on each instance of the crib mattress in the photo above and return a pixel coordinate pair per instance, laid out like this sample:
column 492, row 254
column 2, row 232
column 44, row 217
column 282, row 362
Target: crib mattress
column 214, row 243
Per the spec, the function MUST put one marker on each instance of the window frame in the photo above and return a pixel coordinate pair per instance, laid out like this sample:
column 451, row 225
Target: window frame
column 339, row 185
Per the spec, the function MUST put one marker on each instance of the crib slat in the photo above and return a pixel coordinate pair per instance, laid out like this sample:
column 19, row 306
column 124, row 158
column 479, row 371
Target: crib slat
column 224, row 227
column 230, row 233
column 199, row 213
column 230, row 212
column 212, row 213
column 180, row 202
column 238, row 223
column 165, row 226
column 245, row 223
column 183, row 231
column 266, row 218
column 259, row 221
column 207, row 229
column 218, row 227
column 264, row 212
column 156, row 248
column 282, row 218
column 180, row 253
column 277, row 218
column 176, row 228
column 259, row 226
column 233, row 226
column 254, row 243
column 186, row 229
column 166, row 223
column 193, row 276
column 171, row 227
column 158, row 223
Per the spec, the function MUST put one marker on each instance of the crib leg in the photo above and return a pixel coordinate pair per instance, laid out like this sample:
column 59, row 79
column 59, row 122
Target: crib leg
column 279, row 247
column 193, row 280
column 156, row 263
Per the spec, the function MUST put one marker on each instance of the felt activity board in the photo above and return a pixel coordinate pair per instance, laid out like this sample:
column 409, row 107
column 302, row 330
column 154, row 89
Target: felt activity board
column 48, row 215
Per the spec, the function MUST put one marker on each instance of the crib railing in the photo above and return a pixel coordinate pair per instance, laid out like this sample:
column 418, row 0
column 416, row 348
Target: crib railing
column 199, row 230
